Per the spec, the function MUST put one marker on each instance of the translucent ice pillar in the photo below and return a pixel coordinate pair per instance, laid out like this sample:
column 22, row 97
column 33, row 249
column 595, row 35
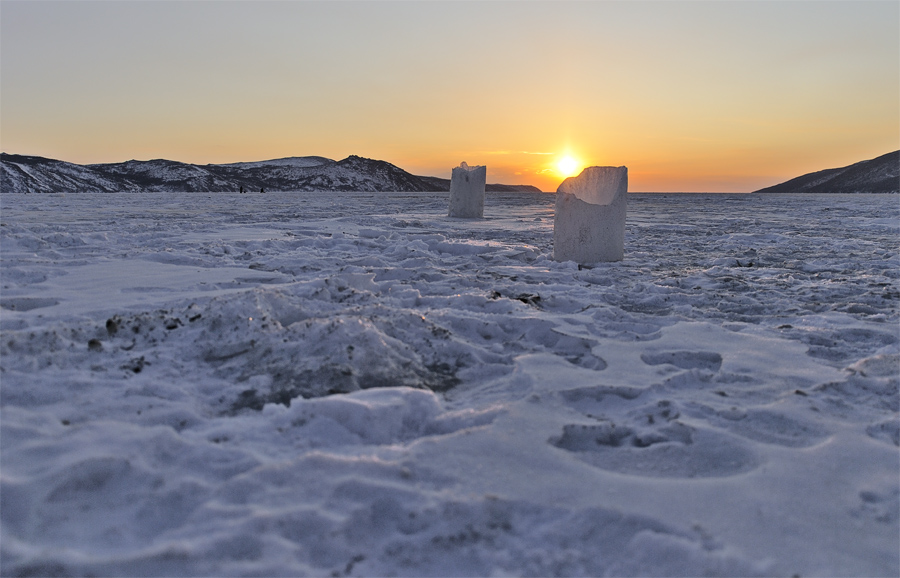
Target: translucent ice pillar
column 467, row 191
column 589, row 224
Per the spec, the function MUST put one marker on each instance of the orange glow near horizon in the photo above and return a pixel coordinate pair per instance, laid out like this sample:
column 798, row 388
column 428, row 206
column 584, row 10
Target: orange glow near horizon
column 712, row 97
column 567, row 166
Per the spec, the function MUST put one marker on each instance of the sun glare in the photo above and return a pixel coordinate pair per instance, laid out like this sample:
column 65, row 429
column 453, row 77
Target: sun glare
column 567, row 166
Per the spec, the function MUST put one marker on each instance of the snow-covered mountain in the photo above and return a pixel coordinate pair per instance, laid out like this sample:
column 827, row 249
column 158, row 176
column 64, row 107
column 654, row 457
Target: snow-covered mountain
column 878, row 175
column 20, row 174
column 32, row 174
column 295, row 162
column 164, row 175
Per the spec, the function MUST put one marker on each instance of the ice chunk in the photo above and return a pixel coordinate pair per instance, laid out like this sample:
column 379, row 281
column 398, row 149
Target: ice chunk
column 589, row 224
column 467, row 191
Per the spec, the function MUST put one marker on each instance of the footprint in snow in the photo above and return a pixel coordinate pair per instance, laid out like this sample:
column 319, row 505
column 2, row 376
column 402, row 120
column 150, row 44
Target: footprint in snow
column 649, row 440
column 882, row 506
column 886, row 431
column 27, row 303
column 706, row 360
column 761, row 425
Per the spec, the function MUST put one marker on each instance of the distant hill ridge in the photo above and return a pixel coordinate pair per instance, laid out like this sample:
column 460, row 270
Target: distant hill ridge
column 878, row 175
column 32, row 174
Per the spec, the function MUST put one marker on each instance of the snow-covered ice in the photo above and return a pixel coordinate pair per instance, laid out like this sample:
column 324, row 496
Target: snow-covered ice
column 467, row 191
column 356, row 384
column 589, row 221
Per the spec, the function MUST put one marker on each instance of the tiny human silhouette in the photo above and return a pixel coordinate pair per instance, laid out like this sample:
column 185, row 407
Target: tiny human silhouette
column 242, row 189
column 262, row 190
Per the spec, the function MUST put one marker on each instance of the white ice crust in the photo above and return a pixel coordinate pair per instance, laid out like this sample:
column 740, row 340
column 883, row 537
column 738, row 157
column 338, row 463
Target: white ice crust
column 467, row 191
column 589, row 223
column 354, row 384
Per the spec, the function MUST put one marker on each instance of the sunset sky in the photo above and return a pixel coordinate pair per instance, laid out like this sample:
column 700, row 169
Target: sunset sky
column 691, row 96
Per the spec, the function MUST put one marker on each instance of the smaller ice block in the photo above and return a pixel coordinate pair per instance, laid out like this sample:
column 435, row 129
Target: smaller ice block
column 467, row 191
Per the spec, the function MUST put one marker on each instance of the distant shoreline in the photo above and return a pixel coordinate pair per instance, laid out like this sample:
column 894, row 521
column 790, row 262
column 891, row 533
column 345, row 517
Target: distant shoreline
column 34, row 174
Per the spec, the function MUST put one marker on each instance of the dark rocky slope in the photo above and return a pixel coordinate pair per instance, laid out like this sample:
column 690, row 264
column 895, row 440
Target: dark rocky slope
column 879, row 175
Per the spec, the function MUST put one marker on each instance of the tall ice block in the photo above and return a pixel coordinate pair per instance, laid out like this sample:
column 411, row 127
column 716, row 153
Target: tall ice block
column 589, row 225
column 467, row 191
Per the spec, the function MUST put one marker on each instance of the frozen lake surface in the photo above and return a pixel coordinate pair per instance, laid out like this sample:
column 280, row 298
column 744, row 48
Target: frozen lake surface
column 354, row 384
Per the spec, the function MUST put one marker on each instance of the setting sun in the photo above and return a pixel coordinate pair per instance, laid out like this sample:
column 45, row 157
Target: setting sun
column 567, row 166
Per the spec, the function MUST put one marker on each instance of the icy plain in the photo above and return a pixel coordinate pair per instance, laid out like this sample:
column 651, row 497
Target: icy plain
column 354, row 384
